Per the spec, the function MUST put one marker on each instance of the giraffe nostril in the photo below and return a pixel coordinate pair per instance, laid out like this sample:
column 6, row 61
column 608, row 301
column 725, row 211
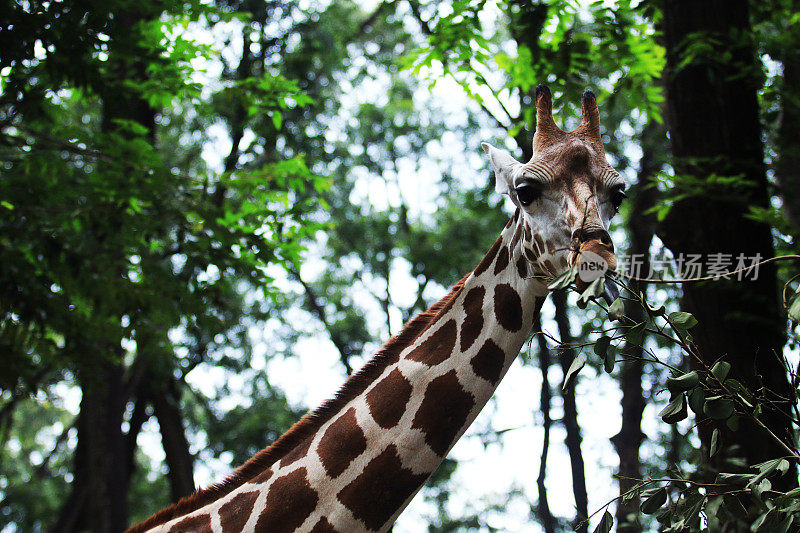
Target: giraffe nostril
column 586, row 235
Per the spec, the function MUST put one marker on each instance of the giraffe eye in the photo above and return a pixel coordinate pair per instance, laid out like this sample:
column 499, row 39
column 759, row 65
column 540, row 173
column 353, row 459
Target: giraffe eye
column 617, row 198
column 527, row 194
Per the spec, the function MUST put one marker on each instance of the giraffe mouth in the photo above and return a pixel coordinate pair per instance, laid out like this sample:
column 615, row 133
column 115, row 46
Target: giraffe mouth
column 594, row 259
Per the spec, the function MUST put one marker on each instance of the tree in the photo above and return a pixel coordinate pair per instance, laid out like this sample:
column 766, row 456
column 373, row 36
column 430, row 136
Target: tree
column 717, row 152
column 110, row 248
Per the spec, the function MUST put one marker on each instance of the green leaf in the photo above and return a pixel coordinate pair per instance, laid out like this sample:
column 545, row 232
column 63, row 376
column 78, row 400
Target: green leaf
column 718, row 408
column 653, row 500
column 609, row 361
column 605, row 523
column 675, row 411
column 277, row 119
column 720, row 370
column 594, row 290
column 682, row 319
column 576, row 366
column 617, row 309
column 794, row 309
column 760, row 524
column 696, row 400
column 767, row 467
column 601, row 345
column 655, row 311
column 635, row 334
column 714, row 443
column 564, row 280
column 683, row 383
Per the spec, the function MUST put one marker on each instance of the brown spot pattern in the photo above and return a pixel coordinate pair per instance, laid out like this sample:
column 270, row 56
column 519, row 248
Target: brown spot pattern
column 323, row 526
column 383, row 486
column 517, row 236
column 530, row 255
column 522, row 267
column 262, row 477
column 473, row 323
column 443, row 411
column 508, row 307
column 234, row 514
column 290, row 501
column 437, row 347
column 488, row 362
column 298, row 452
column 342, row 442
column 539, row 242
column 387, row 400
column 502, row 260
column 488, row 259
column 193, row 524
column 549, row 266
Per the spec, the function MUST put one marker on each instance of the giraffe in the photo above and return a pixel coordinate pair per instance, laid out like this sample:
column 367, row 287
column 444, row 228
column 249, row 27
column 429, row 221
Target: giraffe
column 354, row 463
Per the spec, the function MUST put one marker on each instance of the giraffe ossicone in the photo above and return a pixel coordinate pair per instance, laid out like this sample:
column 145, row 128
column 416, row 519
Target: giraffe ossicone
column 354, row 463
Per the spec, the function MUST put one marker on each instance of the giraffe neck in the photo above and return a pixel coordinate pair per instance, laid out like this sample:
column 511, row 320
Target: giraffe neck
column 362, row 464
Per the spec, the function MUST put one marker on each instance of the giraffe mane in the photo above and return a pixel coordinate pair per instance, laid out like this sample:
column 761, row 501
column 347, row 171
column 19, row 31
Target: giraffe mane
column 311, row 422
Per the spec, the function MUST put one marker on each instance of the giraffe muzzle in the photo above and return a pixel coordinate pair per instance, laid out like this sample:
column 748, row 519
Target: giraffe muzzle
column 593, row 259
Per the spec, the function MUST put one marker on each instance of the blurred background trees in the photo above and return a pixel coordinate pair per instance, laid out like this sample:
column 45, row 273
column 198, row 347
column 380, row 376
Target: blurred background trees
column 211, row 213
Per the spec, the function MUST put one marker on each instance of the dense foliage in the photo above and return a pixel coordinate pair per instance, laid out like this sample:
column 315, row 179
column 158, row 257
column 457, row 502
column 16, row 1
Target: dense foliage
column 194, row 196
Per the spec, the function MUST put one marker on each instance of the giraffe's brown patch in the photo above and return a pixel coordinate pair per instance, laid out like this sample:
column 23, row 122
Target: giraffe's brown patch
column 387, row 400
column 233, row 515
column 473, row 323
column 193, row 524
column 437, row 347
column 508, row 307
column 290, row 501
column 323, row 526
column 539, row 242
column 502, row 260
column 522, row 267
column 488, row 259
column 488, row 362
column 530, row 255
column 443, row 411
column 296, row 453
column 342, row 442
column 263, row 477
column 517, row 236
column 528, row 234
column 549, row 266
column 383, row 486
column 311, row 423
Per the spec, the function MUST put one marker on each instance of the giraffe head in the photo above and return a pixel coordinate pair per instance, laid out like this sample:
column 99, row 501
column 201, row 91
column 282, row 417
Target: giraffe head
column 567, row 193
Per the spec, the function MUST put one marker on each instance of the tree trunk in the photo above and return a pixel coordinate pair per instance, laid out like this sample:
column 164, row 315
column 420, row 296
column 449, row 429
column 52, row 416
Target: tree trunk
column 787, row 168
column 98, row 501
column 542, row 510
column 641, row 227
column 714, row 127
column 570, row 420
column 166, row 408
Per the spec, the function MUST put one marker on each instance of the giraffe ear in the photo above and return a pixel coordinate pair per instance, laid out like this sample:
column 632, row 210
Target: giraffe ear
column 505, row 168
